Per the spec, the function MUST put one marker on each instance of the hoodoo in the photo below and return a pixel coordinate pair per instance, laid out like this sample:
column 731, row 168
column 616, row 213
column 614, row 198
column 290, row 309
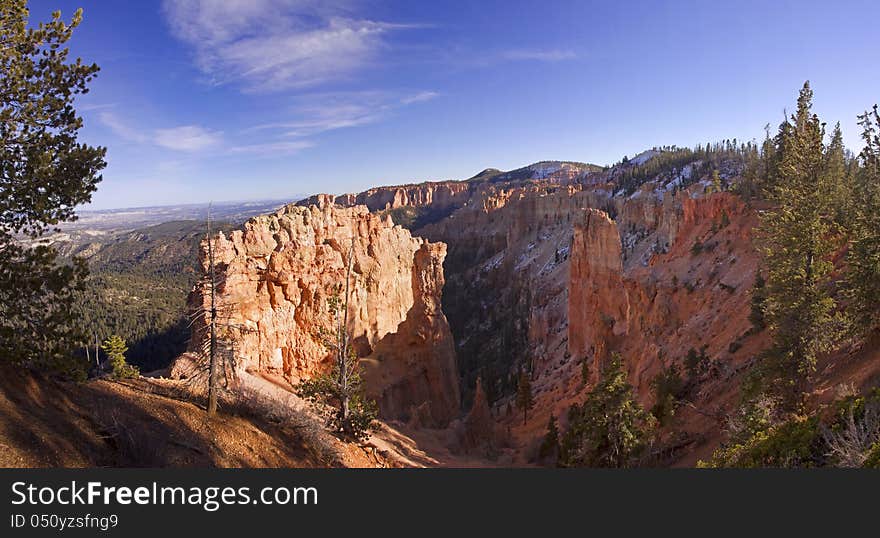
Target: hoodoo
column 279, row 275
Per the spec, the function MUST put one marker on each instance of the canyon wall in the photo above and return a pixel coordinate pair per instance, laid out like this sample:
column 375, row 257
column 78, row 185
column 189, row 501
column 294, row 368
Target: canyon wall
column 552, row 279
column 279, row 275
column 684, row 288
column 438, row 194
column 546, row 270
column 454, row 194
column 598, row 303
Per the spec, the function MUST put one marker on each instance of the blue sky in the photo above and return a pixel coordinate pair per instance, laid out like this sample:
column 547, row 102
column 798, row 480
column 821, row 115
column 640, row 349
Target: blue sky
column 203, row 100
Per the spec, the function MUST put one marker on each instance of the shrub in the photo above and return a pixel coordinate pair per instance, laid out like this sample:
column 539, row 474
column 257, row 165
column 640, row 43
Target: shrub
column 326, row 393
column 758, row 438
column 873, row 461
column 759, row 297
column 696, row 363
column 115, row 348
column 550, row 444
column 668, row 388
column 794, row 443
column 854, row 438
column 250, row 401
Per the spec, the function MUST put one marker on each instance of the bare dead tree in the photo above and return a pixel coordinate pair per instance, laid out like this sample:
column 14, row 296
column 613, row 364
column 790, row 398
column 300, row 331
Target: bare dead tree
column 212, row 365
column 339, row 393
column 216, row 348
column 342, row 355
column 851, row 443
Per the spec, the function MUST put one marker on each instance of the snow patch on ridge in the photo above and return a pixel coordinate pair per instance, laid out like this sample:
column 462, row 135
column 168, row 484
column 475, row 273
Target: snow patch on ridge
column 644, row 157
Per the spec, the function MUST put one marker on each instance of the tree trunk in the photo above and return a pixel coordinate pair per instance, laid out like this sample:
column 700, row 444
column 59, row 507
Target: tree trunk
column 809, row 268
column 344, row 365
column 212, row 365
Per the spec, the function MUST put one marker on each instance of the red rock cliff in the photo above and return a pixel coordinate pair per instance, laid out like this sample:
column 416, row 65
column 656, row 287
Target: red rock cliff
column 598, row 308
column 277, row 275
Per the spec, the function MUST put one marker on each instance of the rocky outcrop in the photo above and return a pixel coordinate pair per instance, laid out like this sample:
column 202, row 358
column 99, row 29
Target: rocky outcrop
column 277, row 280
column 598, row 306
column 416, row 363
column 439, row 194
column 684, row 286
column 478, row 430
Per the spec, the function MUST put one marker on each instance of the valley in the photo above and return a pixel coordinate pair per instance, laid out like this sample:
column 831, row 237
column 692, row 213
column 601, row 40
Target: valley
column 548, row 270
column 462, row 287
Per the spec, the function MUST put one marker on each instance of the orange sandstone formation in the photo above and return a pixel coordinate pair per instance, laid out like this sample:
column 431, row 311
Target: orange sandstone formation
column 277, row 278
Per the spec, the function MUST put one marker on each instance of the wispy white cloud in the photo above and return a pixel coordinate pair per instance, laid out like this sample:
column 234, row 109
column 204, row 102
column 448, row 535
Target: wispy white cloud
column 550, row 55
column 273, row 149
column 420, row 97
column 96, row 106
column 328, row 112
column 271, row 45
column 121, row 129
column 187, row 138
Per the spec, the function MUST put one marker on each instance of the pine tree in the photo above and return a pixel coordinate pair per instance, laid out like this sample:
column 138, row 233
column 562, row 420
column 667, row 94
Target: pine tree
column 754, row 175
column 115, row 348
column 524, row 399
column 585, row 371
column 668, row 388
column 610, row 429
column 771, row 156
column 550, row 444
column 716, row 181
column 759, row 298
column 836, row 178
column 863, row 279
column 44, row 174
column 796, row 244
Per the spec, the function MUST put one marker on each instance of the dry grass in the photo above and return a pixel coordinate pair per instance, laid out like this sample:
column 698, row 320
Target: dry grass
column 144, row 423
column 288, row 411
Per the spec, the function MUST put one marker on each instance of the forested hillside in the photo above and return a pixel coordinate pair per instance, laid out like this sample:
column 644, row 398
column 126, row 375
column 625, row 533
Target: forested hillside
column 137, row 288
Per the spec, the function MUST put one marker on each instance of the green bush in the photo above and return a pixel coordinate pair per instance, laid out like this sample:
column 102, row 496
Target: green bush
column 759, row 297
column 668, row 388
column 794, row 443
column 696, row 363
column 326, row 392
column 873, row 461
column 853, row 440
column 550, row 444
